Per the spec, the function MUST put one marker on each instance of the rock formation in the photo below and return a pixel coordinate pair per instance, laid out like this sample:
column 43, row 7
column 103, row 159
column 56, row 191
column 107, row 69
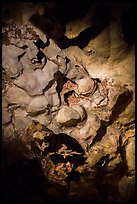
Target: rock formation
column 68, row 99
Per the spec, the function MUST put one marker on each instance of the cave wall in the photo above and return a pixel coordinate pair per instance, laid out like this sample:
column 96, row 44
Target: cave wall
column 69, row 69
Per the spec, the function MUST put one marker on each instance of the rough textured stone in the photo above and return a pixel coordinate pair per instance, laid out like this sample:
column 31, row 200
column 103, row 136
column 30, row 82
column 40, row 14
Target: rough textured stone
column 10, row 60
column 80, row 111
column 18, row 96
column 6, row 116
column 75, row 72
column 75, row 27
column 53, row 97
column 42, row 118
column 8, row 131
column 86, row 85
column 38, row 104
column 34, row 83
column 90, row 130
column 27, row 82
column 99, row 45
column 4, row 102
column 21, row 121
column 52, row 50
column 130, row 154
column 79, row 87
column 68, row 116
column 30, row 60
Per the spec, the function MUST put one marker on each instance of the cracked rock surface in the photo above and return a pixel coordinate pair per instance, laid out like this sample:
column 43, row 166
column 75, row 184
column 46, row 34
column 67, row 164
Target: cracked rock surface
column 68, row 102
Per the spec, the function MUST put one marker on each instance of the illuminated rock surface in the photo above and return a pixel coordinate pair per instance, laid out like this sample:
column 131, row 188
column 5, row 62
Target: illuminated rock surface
column 68, row 102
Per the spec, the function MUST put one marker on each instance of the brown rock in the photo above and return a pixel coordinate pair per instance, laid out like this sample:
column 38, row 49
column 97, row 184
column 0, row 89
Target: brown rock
column 68, row 116
column 18, row 96
column 6, row 116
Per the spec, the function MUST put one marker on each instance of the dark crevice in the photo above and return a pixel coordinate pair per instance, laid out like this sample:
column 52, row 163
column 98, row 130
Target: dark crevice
column 49, row 85
column 101, row 162
column 61, row 79
column 101, row 132
column 56, row 158
column 39, row 57
column 22, row 178
column 49, row 25
column 54, row 25
column 97, row 80
column 130, row 123
column 101, row 19
column 20, row 56
column 37, row 113
column 40, row 44
column 89, row 33
column 103, row 178
column 122, row 102
column 78, row 10
column 73, row 176
column 128, row 26
column 23, row 47
column 56, row 140
column 66, row 95
column 81, row 40
column 55, row 143
column 40, row 22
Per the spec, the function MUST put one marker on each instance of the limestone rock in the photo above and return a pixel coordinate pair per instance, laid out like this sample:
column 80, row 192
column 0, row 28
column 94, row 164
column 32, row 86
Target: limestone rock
column 6, row 116
column 72, row 70
column 28, row 66
column 89, row 130
column 115, row 161
column 75, row 27
column 10, row 61
column 86, row 85
column 55, row 102
column 50, row 69
column 52, row 97
column 75, row 72
column 21, row 121
column 130, row 154
column 94, row 76
column 4, row 102
column 34, row 83
column 52, row 50
column 29, row 59
column 81, row 111
column 38, row 104
column 32, row 50
column 99, row 46
column 42, row 118
column 8, row 131
column 27, row 81
column 68, row 116
column 40, row 33
column 18, row 96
